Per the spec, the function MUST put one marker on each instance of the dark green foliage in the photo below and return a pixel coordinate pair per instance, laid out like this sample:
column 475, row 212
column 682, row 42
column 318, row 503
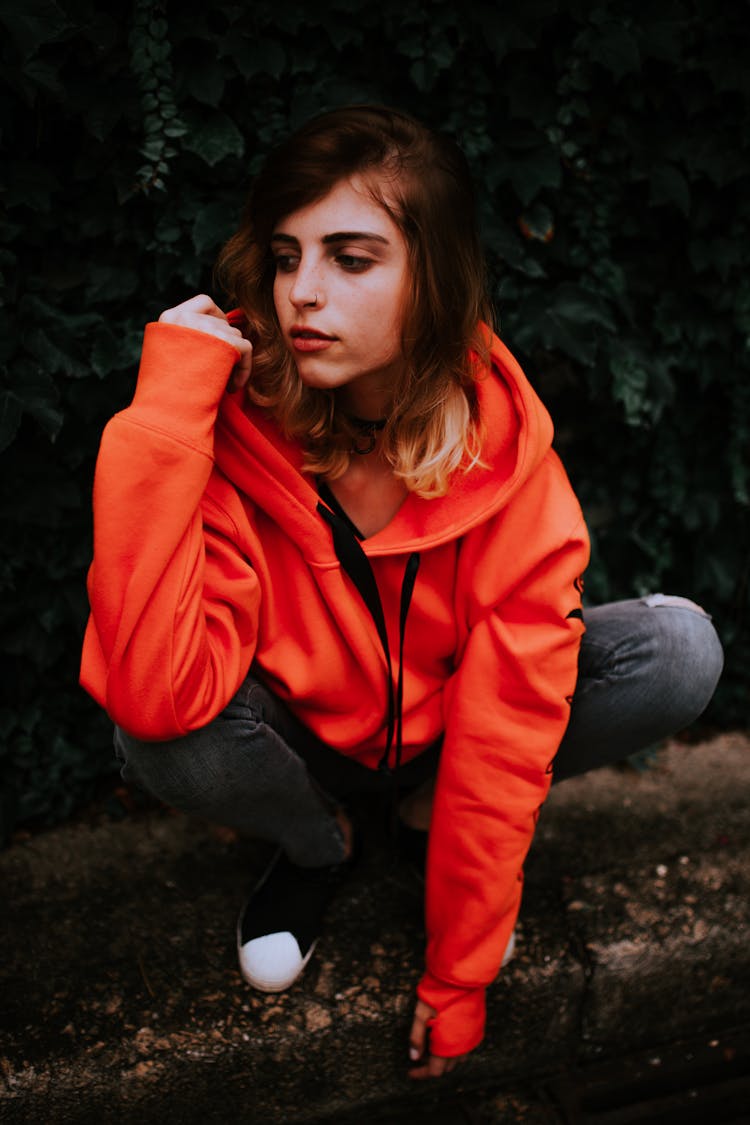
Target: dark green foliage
column 612, row 161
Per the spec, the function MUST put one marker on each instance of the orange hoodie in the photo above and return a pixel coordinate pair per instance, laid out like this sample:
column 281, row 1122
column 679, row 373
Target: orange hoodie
column 212, row 549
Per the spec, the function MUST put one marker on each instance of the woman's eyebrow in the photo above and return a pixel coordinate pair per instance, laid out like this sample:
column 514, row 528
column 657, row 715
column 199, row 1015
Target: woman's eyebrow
column 354, row 236
column 338, row 236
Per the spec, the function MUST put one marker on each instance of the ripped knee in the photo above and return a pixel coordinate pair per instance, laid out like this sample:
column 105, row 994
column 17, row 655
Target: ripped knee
column 674, row 601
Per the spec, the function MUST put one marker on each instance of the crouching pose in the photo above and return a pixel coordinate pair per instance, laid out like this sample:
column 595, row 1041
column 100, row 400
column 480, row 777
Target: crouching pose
column 334, row 546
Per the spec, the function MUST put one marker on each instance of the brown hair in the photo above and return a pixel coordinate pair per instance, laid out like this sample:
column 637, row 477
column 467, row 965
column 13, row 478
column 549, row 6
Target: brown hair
column 422, row 180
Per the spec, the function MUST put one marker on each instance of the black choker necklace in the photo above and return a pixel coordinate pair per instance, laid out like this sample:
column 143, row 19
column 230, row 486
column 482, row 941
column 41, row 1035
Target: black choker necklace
column 368, row 430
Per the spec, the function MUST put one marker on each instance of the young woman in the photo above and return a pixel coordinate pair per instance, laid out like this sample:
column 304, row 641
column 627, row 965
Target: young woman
column 334, row 547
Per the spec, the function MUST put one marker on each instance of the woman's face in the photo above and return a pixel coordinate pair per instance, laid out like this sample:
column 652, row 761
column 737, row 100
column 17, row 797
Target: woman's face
column 341, row 277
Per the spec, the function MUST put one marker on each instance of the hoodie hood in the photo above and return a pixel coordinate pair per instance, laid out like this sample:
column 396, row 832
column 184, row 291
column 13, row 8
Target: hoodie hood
column 251, row 451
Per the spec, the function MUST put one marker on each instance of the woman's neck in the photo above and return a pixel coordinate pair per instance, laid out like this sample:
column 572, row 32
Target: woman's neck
column 369, row 493
column 368, row 403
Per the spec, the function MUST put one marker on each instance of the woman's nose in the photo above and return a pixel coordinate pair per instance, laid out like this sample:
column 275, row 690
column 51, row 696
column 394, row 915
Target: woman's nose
column 307, row 290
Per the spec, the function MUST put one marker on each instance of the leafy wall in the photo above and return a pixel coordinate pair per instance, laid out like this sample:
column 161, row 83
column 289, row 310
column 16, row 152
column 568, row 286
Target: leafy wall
column 612, row 159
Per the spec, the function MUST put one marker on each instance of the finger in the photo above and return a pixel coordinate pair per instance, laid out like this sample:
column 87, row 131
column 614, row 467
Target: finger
column 243, row 368
column 423, row 1013
column 434, row 1067
column 200, row 305
column 204, row 305
column 417, row 1038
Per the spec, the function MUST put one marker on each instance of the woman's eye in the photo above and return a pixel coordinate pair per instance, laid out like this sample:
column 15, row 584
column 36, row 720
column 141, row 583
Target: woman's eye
column 353, row 264
column 285, row 263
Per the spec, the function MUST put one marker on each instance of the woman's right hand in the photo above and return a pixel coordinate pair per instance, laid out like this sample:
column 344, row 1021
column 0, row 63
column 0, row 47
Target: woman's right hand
column 204, row 315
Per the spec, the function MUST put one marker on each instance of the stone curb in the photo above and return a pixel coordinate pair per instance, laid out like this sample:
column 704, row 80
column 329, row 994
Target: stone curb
column 122, row 1001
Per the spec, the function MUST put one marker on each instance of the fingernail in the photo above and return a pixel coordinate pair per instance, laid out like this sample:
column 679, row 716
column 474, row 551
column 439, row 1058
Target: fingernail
column 413, row 1054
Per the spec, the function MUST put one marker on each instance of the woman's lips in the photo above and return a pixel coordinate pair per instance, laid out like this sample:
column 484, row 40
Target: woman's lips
column 310, row 343
column 308, row 340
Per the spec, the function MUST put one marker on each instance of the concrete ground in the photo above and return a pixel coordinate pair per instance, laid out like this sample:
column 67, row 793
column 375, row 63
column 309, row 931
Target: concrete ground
column 121, row 1000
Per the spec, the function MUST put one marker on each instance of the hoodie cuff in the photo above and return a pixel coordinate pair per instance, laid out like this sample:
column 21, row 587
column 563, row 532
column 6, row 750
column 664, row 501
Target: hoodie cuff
column 458, row 1026
column 182, row 378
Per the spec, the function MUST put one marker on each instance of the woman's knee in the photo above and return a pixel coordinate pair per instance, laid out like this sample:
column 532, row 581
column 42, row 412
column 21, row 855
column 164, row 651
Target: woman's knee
column 659, row 654
column 188, row 771
column 175, row 771
column 688, row 648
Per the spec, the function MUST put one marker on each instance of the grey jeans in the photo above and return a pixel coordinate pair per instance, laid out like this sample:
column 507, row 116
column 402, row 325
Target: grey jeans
column 647, row 668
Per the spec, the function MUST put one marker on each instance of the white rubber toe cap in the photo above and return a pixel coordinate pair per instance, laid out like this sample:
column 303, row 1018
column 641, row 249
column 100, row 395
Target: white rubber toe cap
column 510, row 949
column 272, row 962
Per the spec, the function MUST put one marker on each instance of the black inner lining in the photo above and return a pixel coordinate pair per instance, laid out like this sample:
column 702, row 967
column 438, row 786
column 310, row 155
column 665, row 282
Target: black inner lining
column 325, row 494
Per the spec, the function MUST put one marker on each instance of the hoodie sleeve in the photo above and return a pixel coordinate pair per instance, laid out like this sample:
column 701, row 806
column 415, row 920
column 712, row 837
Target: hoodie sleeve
column 174, row 602
column 507, row 707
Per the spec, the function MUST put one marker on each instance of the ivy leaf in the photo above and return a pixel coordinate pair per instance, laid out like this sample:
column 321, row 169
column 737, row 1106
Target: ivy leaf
column 531, row 172
column 503, row 34
column 662, row 37
column 39, row 396
column 541, row 325
column 641, row 383
column 213, row 225
column 41, row 74
column 101, row 29
column 10, row 417
column 255, row 56
column 33, row 23
column 110, row 282
column 206, row 82
column 106, row 352
column 629, row 383
column 441, row 54
column 574, row 340
column 102, row 114
column 212, row 137
column 507, row 245
column 343, row 34
column 614, row 48
column 716, row 575
column 581, row 306
column 537, row 222
column 717, row 252
column 423, row 74
column 567, row 319
column 668, row 185
column 31, row 185
column 50, row 356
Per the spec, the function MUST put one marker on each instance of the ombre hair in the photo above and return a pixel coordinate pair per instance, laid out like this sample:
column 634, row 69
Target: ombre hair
column 422, row 181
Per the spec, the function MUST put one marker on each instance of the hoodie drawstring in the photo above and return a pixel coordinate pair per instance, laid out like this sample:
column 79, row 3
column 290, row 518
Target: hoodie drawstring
column 407, row 589
column 356, row 564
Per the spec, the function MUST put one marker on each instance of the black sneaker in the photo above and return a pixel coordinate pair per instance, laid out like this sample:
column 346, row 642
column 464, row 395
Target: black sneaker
column 280, row 923
column 412, row 846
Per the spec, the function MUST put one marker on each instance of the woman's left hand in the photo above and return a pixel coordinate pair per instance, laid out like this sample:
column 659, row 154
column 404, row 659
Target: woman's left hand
column 430, row 1066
